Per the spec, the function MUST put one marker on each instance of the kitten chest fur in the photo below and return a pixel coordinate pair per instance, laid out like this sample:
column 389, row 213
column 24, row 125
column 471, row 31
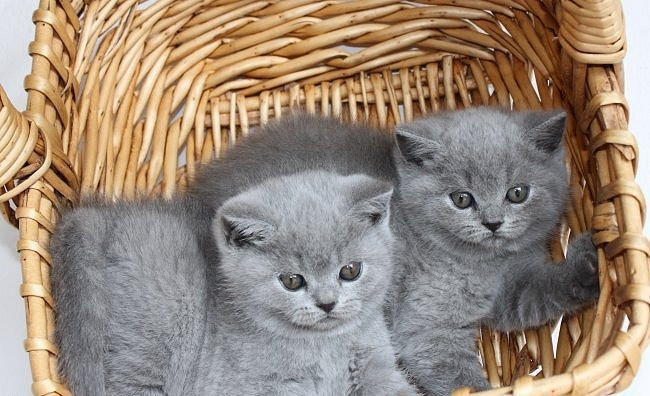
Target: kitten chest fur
column 464, row 290
column 305, row 366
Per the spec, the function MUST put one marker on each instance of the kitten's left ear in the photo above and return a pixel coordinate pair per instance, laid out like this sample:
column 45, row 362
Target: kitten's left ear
column 374, row 210
column 415, row 149
column 546, row 129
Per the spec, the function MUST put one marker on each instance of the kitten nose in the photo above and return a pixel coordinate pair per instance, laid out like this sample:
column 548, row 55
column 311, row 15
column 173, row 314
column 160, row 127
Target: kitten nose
column 493, row 226
column 326, row 307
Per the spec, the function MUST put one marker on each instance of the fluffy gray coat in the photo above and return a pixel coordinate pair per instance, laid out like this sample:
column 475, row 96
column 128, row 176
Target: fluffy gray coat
column 290, row 145
column 456, row 268
column 326, row 337
column 147, row 307
column 129, row 281
column 483, row 260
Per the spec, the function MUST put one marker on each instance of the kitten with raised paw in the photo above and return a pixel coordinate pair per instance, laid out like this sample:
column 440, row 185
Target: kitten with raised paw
column 480, row 193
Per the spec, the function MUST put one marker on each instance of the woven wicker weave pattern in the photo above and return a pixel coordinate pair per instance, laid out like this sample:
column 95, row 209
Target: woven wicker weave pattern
column 127, row 99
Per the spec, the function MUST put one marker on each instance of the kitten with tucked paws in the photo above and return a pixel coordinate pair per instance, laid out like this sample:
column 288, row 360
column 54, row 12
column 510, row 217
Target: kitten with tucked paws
column 296, row 302
column 480, row 193
column 280, row 292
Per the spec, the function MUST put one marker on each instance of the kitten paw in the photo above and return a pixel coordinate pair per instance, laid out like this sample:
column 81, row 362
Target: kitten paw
column 583, row 259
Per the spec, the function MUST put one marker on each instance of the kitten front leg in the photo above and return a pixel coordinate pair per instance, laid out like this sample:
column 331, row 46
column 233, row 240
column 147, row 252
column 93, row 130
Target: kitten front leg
column 448, row 375
column 373, row 371
column 382, row 377
column 440, row 359
column 537, row 291
column 583, row 258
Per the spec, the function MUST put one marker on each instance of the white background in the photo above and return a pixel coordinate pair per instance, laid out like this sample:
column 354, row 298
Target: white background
column 16, row 31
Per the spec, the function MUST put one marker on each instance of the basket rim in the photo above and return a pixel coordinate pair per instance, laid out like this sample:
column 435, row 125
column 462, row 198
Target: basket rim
column 598, row 104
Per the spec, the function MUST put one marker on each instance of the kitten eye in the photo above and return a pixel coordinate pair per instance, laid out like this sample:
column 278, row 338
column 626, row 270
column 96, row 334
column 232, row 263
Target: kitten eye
column 462, row 199
column 292, row 282
column 517, row 194
column 351, row 271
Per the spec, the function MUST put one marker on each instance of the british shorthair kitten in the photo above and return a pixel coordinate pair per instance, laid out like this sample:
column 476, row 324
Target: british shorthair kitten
column 479, row 194
column 296, row 307
column 279, row 292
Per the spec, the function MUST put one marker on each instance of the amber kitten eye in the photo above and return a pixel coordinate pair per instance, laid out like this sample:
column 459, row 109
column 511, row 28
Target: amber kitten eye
column 292, row 282
column 517, row 194
column 462, row 199
column 351, row 271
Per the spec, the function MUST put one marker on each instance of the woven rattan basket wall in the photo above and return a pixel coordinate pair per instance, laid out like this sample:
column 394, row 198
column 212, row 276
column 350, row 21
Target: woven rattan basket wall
column 121, row 94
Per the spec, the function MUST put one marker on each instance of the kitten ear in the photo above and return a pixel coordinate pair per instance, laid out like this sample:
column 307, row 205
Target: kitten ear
column 239, row 231
column 546, row 129
column 374, row 210
column 414, row 149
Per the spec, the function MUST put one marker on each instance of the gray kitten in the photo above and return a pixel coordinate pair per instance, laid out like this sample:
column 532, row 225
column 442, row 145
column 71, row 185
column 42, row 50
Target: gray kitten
column 478, row 194
column 297, row 310
column 145, row 307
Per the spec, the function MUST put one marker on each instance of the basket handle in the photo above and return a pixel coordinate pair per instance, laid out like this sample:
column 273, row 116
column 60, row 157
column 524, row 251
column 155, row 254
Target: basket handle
column 592, row 32
column 18, row 139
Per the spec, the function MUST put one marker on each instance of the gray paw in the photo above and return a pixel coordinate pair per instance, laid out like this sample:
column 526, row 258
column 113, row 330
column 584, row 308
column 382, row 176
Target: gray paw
column 583, row 259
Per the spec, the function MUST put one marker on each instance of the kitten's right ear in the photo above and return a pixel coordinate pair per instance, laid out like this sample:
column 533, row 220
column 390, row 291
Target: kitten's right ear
column 240, row 232
column 414, row 149
column 374, row 210
column 546, row 129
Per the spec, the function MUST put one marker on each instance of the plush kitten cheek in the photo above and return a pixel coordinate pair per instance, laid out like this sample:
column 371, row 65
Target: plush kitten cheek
column 347, row 310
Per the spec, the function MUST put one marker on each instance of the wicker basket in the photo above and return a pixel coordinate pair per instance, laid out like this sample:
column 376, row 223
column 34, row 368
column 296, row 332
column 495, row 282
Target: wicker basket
column 122, row 94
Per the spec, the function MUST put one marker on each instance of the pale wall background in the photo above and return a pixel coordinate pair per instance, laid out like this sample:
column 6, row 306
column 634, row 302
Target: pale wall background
column 16, row 31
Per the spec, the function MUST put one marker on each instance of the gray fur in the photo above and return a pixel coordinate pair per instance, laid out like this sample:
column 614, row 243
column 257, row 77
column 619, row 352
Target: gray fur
column 451, row 275
column 145, row 307
column 268, row 340
column 129, row 284
column 460, row 274
column 290, row 145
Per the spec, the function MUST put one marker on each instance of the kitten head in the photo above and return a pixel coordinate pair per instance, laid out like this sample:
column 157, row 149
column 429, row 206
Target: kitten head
column 307, row 253
column 483, row 181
